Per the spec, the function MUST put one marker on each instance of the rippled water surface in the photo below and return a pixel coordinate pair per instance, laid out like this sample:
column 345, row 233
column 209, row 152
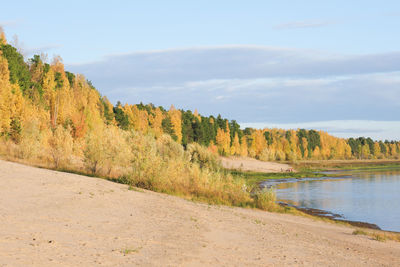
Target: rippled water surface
column 372, row 197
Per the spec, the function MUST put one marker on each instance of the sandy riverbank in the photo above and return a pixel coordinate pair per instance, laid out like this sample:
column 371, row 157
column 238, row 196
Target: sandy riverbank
column 49, row 218
column 250, row 164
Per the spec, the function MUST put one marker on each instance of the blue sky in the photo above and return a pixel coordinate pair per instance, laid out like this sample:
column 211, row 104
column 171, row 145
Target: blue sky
column 320, row 64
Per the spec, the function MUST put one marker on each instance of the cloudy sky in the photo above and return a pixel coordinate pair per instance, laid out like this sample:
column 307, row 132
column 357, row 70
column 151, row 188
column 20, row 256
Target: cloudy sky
column 331, row 65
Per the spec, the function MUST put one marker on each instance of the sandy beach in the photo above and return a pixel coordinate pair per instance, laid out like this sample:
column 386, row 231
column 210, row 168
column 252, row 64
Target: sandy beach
column 49, row 218
column 250, row 164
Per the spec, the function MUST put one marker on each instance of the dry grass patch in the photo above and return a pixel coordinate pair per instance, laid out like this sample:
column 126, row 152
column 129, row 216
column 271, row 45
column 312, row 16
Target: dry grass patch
column 381, row 236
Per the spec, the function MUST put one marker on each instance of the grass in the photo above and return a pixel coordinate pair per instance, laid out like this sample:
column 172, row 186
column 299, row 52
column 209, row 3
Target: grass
column 259, row 222
column 323, row 165
column 359, row 232
column 380, row 236
column 254, row 178
column 128, row 251
column 136, row 189
column 266, row 200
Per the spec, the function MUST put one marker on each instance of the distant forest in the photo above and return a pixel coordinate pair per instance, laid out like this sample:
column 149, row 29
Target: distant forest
column 37, row 98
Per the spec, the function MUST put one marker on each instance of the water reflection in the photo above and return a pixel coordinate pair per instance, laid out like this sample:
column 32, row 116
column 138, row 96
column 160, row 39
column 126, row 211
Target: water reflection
column 372, row 197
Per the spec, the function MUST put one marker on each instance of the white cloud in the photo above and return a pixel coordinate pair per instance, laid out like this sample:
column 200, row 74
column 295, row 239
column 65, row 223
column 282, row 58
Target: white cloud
column 229, row 62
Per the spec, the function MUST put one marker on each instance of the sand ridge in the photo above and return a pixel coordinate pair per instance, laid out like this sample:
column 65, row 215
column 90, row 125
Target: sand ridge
column 49, row 218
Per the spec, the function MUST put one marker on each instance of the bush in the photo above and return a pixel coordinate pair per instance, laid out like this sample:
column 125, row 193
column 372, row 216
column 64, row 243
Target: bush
column 163, row 166
column 169, row 149
column 61, row 144
column 265, row 199
column 31, row 143
column 202, row 156
column 93, row 152
column 115, row 149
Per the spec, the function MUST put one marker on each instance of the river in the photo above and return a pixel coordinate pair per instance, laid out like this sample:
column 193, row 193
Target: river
column 366, row 196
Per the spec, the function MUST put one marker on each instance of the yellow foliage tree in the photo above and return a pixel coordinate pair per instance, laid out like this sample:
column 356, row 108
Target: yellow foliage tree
column 223, row 141
column 305, row 146
column 316, row 153
column 196, row 114
column 243, row 147
column 5, row 97
column 156, row 122
column 176, row 120
column 377, row 151
column 235, row 148
column 365, row 151
column 3, row 39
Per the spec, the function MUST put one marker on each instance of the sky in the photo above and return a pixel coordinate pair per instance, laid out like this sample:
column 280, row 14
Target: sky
column 329, row 65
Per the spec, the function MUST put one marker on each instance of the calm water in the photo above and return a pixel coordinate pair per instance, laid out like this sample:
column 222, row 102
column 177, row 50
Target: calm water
column 372, row 197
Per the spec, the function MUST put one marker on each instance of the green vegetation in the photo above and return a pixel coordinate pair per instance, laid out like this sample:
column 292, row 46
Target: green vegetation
column 128, row 251
column 253, row 178
column 381, row 236
column 346, row 165
column 19, row 70
column 265, row 199
column 359, row 232
column 164, row 166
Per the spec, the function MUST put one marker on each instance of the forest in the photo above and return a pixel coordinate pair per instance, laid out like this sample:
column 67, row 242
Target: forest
column 42, row 98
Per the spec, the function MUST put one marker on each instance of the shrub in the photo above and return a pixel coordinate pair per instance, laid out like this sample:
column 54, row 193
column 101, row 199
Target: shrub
column 31, row 143
column 115, row 149
column 61, row 144
column 202, row 156
column 265, row 199
column 163, row 166
column 169, row 149
column 93, row 152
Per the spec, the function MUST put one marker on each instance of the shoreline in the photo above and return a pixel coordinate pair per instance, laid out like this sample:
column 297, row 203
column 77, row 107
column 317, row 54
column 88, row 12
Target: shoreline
column 331, row 174
column 334, row 217
column 339, row 165
column 319, row 212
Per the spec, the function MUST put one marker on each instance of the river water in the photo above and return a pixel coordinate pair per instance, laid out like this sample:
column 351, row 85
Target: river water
column 366, row 196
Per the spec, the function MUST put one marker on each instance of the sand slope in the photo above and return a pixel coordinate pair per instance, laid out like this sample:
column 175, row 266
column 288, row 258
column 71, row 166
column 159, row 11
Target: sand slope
column 49, row 218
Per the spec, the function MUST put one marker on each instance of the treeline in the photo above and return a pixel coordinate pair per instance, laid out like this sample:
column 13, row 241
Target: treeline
column 38, row 98
column 227, row 138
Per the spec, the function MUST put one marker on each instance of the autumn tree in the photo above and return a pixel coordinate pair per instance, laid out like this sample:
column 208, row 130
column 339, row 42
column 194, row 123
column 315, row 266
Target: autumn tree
column 5, row 97
column 223, row 141
column 156, row 120
column 176, row 121
column 3, row 40
column 243, row 147
column 236, row 148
